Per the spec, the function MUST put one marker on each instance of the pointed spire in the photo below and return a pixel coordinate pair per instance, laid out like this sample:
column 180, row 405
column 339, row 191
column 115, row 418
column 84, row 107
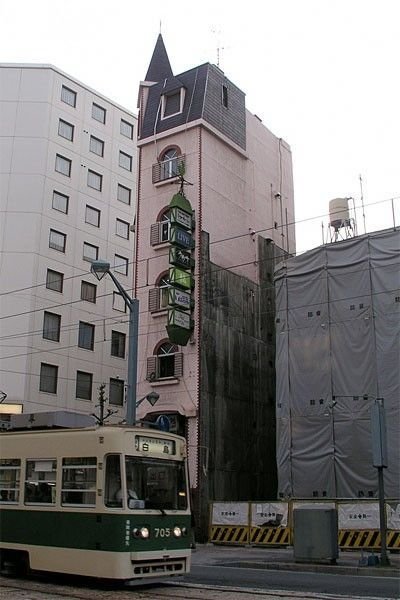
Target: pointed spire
column 159, row 67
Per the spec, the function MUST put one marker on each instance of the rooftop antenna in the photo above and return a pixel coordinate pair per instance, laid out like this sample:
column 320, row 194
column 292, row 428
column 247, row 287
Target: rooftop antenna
column 160, row 26
column 362, row 203
column 217, row 32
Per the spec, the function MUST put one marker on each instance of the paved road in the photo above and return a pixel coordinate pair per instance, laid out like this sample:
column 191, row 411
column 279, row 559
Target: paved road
column 231, row 573
column 28, row 590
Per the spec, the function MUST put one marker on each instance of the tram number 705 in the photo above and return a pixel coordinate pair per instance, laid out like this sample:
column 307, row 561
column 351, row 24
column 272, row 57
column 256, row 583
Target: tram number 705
column 162, row 531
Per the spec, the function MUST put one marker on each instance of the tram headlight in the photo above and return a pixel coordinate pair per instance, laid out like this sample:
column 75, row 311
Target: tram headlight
column 184, row 531
column 142, row 532
column 177, row 531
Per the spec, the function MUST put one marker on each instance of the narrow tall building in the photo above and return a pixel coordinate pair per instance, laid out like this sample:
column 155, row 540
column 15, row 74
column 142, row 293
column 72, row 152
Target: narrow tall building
column 68, row 184
column 215, row 190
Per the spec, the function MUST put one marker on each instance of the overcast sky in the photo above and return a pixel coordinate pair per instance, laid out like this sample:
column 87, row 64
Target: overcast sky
column 322, row 74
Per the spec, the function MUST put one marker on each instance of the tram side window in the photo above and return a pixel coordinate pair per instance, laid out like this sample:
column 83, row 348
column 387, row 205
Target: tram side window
column 40, row 482
column 113, row 481
column 79, row 481
column 10, row 469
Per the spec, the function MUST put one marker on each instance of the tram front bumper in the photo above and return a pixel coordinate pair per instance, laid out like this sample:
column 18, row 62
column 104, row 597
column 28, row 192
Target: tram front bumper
column 161, row 563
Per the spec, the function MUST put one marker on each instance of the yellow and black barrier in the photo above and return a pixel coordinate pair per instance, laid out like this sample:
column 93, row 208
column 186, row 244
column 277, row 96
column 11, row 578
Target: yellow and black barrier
column 362, row 539
column 229, row 534
column 270, row 536
column 271, row 523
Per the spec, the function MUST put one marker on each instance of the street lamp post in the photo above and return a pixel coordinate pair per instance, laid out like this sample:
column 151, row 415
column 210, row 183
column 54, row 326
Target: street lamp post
column 100, row 268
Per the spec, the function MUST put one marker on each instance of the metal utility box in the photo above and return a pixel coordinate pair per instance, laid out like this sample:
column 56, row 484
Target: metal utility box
column 315, row 533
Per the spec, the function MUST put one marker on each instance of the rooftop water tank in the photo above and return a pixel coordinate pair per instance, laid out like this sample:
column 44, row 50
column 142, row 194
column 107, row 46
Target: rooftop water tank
column 339, row 213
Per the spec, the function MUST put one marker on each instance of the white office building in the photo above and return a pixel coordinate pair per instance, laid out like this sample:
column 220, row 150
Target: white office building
column 67, row 196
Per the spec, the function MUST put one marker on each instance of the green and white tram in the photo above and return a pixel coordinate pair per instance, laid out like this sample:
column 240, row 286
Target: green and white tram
column 107, row 502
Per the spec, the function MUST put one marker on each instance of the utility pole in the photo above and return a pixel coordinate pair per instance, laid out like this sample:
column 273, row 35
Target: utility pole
column 380, row 461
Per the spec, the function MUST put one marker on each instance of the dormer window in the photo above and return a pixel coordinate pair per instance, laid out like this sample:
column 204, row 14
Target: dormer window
column 225, row 96
column 172, row 103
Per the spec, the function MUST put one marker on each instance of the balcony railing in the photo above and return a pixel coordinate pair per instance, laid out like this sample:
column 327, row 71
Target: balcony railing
column 167, row 169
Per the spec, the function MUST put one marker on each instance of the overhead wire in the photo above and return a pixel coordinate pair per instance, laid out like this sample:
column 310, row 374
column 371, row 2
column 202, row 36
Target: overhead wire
column 212, row 242
column 71, row 326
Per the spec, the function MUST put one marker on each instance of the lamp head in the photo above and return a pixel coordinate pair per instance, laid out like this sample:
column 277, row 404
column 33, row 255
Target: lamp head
column 100, row 268
column 152, row 397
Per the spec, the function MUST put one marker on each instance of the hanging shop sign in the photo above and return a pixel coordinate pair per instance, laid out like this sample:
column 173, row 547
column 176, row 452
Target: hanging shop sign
column 179, row 277
column 179, row 298
column 180, row 258
column 179, row 318
column 180, row 217
column 180, row 237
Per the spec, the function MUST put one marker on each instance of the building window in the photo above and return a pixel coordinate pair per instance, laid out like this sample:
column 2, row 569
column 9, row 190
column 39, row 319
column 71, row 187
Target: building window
column 96, row 146
column 84, row 383
column 168, row 165
column 158, row 296
column 124, row 194
column 116, row 392
column 118, row 340
column 159, row 232
column 95, row 180
column 66, row 130
column 98, row 113
column 225, row 96
column 90, row 252
column 118, row 302
column 125, row 161
column 172, row 103
column 88, row 292
column 60, row 202
column 166, row 363
column 51, row 326
column 92, row 216
column 122, row 229
column 57, row 240
column 86, row 336
column 54, row 280
column 63, row 165
column 48, row 378
column 126, row 129
column 68, row 96
column 121, row 264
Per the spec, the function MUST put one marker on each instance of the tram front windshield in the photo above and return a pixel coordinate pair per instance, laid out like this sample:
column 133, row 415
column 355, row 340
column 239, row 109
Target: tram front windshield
column 149, row 483
column 159, row 484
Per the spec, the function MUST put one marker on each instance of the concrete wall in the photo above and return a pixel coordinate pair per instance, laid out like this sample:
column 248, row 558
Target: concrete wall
column 237, row 414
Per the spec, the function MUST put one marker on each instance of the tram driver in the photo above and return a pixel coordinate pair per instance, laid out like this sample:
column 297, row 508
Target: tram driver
column 131, row 495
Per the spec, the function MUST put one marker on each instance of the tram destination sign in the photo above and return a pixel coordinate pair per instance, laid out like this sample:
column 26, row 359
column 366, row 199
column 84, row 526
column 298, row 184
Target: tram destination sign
column 154, row 445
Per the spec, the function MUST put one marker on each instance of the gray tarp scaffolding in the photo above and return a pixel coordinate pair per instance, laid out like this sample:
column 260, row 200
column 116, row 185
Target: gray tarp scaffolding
column 337, row 330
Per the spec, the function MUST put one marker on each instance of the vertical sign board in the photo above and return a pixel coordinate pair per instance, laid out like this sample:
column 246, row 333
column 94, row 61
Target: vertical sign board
column 180, row 324
column 378, row 435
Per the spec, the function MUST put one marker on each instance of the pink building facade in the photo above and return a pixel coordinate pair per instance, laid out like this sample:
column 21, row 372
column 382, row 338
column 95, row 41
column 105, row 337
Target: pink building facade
column 238, row 180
